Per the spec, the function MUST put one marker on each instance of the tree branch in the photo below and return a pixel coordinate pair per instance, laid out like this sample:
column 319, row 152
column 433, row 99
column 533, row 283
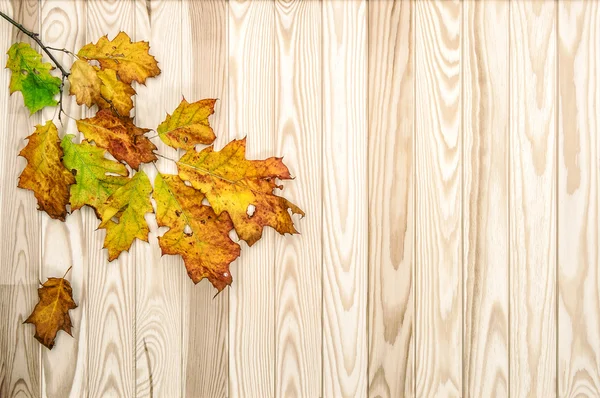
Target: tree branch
column 36, row 38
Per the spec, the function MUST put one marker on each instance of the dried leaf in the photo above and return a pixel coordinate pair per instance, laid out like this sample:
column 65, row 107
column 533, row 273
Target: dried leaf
column 51, row 313
column 115, row 92
column 92, row 185
column 85, row 84
column 206, row 249
column 45, row 174
column 131, row 61
column 32, row 77
column 129, row 203
column 119, row 136
column 188, row 125
column 233, row 184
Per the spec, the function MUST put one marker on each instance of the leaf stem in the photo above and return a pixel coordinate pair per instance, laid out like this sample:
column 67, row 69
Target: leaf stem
column 36, row 37
column 67, row 272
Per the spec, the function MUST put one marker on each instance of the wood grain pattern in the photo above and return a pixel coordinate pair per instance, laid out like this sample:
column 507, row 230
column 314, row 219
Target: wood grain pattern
column 64, row 368
column 578, row 199
column 111, row 286
column 438, row 285
column 345, row 189
column 532, row 196
column 391, row 205
column 485, row 197
column 204, row 75
column 20, row 233
column 161, row 282
column 251, row 91
column 298, row 264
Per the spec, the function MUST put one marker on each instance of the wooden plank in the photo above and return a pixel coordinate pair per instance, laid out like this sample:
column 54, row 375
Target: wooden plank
column 532, row 193
column 485, row 205
column 298, row 258
column 391, row 205
column 64, row 368
column 161, row 282
column 345, row 218
column 111, row 286
column 20, row 231
column 251, row 113
column 438, row 285
column 206, row 318
column 578, row 199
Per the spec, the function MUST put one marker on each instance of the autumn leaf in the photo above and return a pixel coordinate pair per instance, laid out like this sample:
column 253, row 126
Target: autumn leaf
column 32, row 77
column 124, row 140
column 131, row 61
column 233, row 184
column 115, row 93
column 188, row 125
column 51, row 313
column 206, row 247
column 45, row 174
column 93, row 186
column 128, row 204
column 84, row 83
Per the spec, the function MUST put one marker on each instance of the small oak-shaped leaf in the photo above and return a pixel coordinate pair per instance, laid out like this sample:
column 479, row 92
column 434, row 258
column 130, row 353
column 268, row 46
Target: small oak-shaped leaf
column 188, row 125
column 32, row 77
column 45, row 174
column 93, row 185
column 128, row 204
column 119, row 136
column 233, row 184
column 51, row 313
column 205, row 247
column 84, row 83
column 115, row 93
column 131, row 61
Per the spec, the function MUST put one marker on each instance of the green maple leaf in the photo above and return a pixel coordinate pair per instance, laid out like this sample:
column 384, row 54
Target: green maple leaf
column 32, row 77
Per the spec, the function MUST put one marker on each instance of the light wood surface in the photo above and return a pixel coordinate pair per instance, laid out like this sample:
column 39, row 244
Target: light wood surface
column 438, row 199
column 485, row 58
column 578, row 159
column 391, row 199
column 446, row 154
column 344, row 198
column 532, row 199
column 204, row 75
column 298, row 135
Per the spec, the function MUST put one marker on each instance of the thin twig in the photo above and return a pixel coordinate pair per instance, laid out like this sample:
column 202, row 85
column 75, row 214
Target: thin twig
column 64, row 50
column 36, row 38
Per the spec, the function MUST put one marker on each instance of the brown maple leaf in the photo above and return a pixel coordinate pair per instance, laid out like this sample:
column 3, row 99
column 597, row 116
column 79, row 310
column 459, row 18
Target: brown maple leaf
column 233, row 184
column 45, row 174
column 51, row 313
column 195, row 231
column 119, row 136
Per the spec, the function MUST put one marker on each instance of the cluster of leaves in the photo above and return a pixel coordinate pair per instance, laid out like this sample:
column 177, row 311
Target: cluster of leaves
column 65, row 175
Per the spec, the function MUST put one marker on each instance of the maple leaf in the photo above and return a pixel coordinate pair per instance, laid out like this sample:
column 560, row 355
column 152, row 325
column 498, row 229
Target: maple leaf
column 131, row 61
column 84, row 83
column 188, row 125
column 115, row 93
column 93, row 185
column 206, row 248
column 51, row 313
column 32, row 77
column 119, row 136
column 45, row 174
column 232, row 183
column 129, row 203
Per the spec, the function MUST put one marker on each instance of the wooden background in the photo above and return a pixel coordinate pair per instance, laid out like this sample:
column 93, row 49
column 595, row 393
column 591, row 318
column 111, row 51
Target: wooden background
column 447, row 156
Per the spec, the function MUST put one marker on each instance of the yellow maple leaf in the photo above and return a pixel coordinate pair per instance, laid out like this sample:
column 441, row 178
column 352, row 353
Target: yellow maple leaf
column 84, row 83
column 115, row 93
column 131, row 61
column 51, row 313
column 45, row 174
column 128, row 204
column 119, row 136
column 206, row 248
column 188, row 125
column 234, row 184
